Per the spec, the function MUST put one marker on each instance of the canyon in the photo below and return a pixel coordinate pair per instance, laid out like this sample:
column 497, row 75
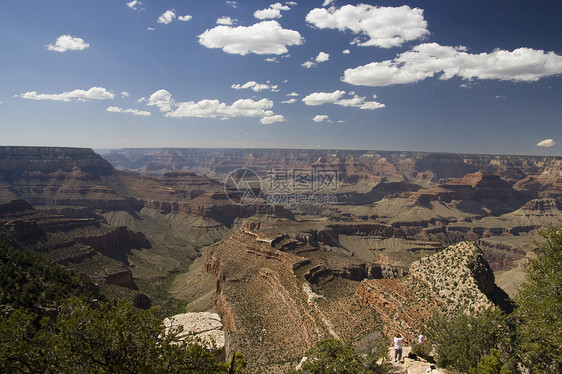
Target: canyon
column 402, row 234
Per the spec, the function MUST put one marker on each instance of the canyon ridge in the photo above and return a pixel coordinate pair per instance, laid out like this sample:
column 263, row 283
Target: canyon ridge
column 332, row 243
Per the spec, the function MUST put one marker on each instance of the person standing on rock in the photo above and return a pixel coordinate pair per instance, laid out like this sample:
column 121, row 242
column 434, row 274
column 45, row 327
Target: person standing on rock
column 398, row 340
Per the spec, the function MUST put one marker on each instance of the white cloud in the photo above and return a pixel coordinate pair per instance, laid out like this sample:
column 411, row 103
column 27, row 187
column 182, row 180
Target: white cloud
column 141, row 100
column 185, row 18
column 272, row 59
column 430, row 59
column 274, row 11
column 256, row 87
column 266, row 37
column 272, row 119
column 322, row 57
column 546, row 143
column 167, row 17
column 321, row 118
column 214, row 108
column 226, row 21
column 135, row 4
column 336, row 97
column 124, row 94
column 290, row 101
column 327, row 2
column 136, row 112
column 162, row 99
column 150, row 28
column 232, row 4
column 294, row 94
column 379, row 26
column 291, row 3
column 68, row 43
column 98, row 93
column 346, row 51
column 320, row 98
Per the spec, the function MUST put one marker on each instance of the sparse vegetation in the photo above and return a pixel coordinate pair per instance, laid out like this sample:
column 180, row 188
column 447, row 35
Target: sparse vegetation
column 333, row 356
column 461, row 340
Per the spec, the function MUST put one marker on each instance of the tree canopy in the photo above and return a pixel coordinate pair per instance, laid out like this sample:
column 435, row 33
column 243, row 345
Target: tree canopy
column 540, row 307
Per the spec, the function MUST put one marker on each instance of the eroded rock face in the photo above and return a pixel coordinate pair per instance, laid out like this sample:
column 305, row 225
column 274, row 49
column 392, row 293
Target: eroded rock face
column 266, row 307
column 455, row 279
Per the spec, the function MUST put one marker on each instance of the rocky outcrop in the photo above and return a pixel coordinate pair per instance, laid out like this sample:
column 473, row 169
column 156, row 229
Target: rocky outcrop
column 116, row 243
column 455, row 279
column 204, row 325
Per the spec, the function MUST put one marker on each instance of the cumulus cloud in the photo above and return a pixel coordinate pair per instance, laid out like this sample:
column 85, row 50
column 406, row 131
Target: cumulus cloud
column 161, row 99
column 214, row 108
column 346, row 51
column 272, row 119
column 546, row 143
column 272, row 59
column 322, row 57
column 124, row 94
column 185, row 18
column 320, row 98
column 274, row 11
column 167, row 17
column 256, row 87
column 266, row 37
column 98, row 93
column 135, row 4
column 290, row 101
column 226, row 21
column 294, row 94
column 377, row 26
column 321, row 118
column 327, row 2
column 337, row 97
column 136, row 112
column 68, row 43
column 430, row 59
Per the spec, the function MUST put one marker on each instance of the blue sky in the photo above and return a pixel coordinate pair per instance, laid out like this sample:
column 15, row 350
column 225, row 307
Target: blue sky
column 439, row 76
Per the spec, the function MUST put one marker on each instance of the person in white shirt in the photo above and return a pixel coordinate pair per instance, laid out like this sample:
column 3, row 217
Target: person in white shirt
column 398, row 339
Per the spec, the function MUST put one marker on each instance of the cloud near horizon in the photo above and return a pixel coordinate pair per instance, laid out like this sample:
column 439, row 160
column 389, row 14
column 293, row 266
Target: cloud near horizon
column 546, row 143
column 97, row 93
column 68, row 43
column 213, row 108
column 263, row 38
column 383, row 27
column 431, row 59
